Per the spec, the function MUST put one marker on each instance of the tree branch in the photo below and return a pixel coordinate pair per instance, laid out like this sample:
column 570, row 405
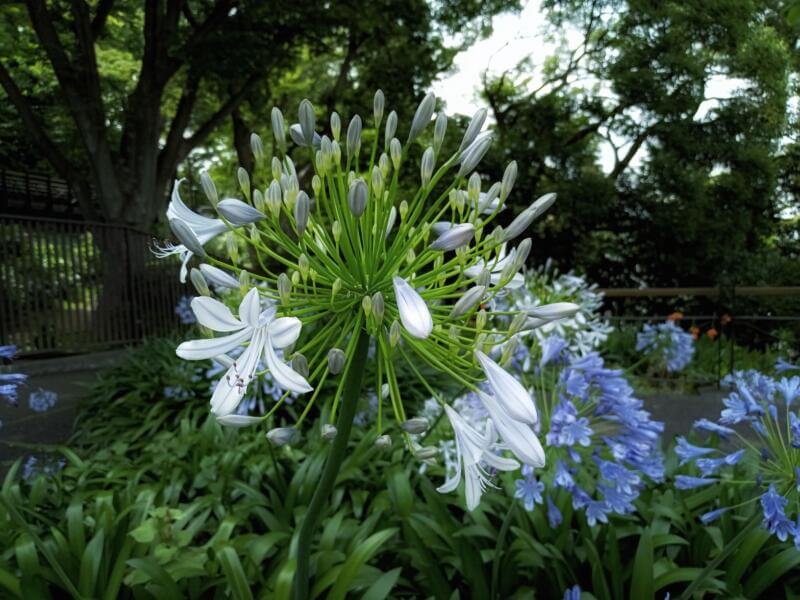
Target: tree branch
column 169, row 156
column 621, row 165
column 103, row 10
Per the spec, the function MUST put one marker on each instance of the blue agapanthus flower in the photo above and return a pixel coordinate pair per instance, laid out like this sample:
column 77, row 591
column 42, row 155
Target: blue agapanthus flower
column 10, row 382
column 184, row 311
column 770, row 463
column 667, row 344
column 602, row 444
column 782, row 366
column 42, row 400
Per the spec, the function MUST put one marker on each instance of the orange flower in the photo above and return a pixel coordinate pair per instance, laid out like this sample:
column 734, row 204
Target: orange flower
column 695, row 331
column 676, row 316
column 725, row 319
column 712, row 333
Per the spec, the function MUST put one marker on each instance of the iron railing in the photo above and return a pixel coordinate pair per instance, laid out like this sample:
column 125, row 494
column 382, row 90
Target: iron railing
column 24, row 193
column 72, row 286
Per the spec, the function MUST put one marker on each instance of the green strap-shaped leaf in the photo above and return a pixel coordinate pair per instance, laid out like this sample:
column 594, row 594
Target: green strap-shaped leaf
column 383, row 586
column 642, row 579
column 10, row 583
column 162, row 579
column 771, row 571
column 90, row 565
column 234, row 573
column 355, row 561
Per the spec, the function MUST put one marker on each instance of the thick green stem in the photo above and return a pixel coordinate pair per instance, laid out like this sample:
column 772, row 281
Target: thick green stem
column 344, row 423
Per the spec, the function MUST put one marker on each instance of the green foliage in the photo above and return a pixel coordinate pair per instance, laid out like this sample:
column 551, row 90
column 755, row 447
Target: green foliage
column 156, row 500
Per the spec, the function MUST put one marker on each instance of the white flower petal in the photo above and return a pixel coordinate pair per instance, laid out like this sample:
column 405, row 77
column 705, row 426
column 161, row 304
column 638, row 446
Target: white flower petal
column 231, row 388
column 250, row 308
column 209, row 348
column 238, row 420
column 284, row 331
column 283, row 374
column 215, row 315
column 511, row 394
column 219, row 277
column 518, row 436
column 414, row 313
column 556, row 310
column 238, row 212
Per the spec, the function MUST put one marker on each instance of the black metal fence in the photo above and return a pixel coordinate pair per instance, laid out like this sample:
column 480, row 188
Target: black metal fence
column 71, row 286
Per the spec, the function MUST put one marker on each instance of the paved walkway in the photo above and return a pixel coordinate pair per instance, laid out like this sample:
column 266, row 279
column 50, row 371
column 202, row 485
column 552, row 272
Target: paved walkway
column 24, row 428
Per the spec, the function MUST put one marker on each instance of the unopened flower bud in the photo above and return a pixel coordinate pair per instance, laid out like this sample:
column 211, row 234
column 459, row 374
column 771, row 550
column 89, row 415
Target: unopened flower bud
column 282, row 436
column 366, row 304
column 336, row 359
column 300, row 364
column 301, row 208
column 354, row 137
column 378, row 306
column 258, row 201
column 556, row 310
column 453, row 333
column 284, row 288
column 426, row 166
column 422, row 117
column 336, row 287
column 277, row 170
column 337, row 152
column 383, row 164
column 468, row 301
column 295, row 277
column 377, row 183
column 396, row 152
column 480, row 341
column 394, row 333
column 415, row 425
column 474, row 188
column 509, row 177
column 391, row 129
column 199, row 282
column 232, row 248
column 508, row 350
column 303, row 266
column 426, row 452
column 455, row 237
column 439, row 129
column 403, row 210
column 357, row 197
column 209, row 188
column 480, row 320
column 378, row 103
column 316, row 184
column 336, row 230
column 473, row 129
column 257, row 146
column 484, row 278
column 328, row 432
column 527, row 216
column 472, row 156
column 307, row 120
column 384, row 442
column 411, row 256
column 244, row 280
column 517, row 323
column 336, row 125
column 278, row 128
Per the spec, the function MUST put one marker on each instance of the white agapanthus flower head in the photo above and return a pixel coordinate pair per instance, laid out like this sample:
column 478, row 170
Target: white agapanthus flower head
column 322, row 271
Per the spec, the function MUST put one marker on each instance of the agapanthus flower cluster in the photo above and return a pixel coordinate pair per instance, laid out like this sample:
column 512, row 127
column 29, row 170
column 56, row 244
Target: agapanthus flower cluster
column 583, row 332
column 601, row 445
column 759, row 430
column 668, row 346
column 10, row 382
column 321, row 271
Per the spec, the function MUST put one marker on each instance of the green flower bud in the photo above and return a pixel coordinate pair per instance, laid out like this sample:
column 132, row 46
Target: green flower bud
column 508, row 350
column 337, row 153
column 257, row 146
column 480, row 320
column 307, row 120
column 474, row 189
column 283, row 436
column 383, row 164
column 384, row 442
column 209, row 188
column 278, row 128
column 439, row 129
column 300, row 364
column 517, row 323
column 336, row 230
column 277, row 170
column 473, row 129
column 284, row 288
column 378, row 103
column 258, row 201
column 336, row 287
column 295, row 278
column 394, row 334
column 378, row 307
column 484, row 278
column 472, row 156
column 354, row 137
column 336, row 360
column 336, row 125
column 391, row 129
column 244, row 280
column 199, row 282
column 453, row 333
column 415, row 425
column 301, row 208
column 366, row 304
column 357, row 197
column 422, row 117
column 377, row 183
column 426, row 166
column 232, row 247
column 426, row 452
column 403, row 210
column 274, row 198
column 396, row 152
column 411, row 256
column 303, row 266
column 509, row 177
column 316, row 184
